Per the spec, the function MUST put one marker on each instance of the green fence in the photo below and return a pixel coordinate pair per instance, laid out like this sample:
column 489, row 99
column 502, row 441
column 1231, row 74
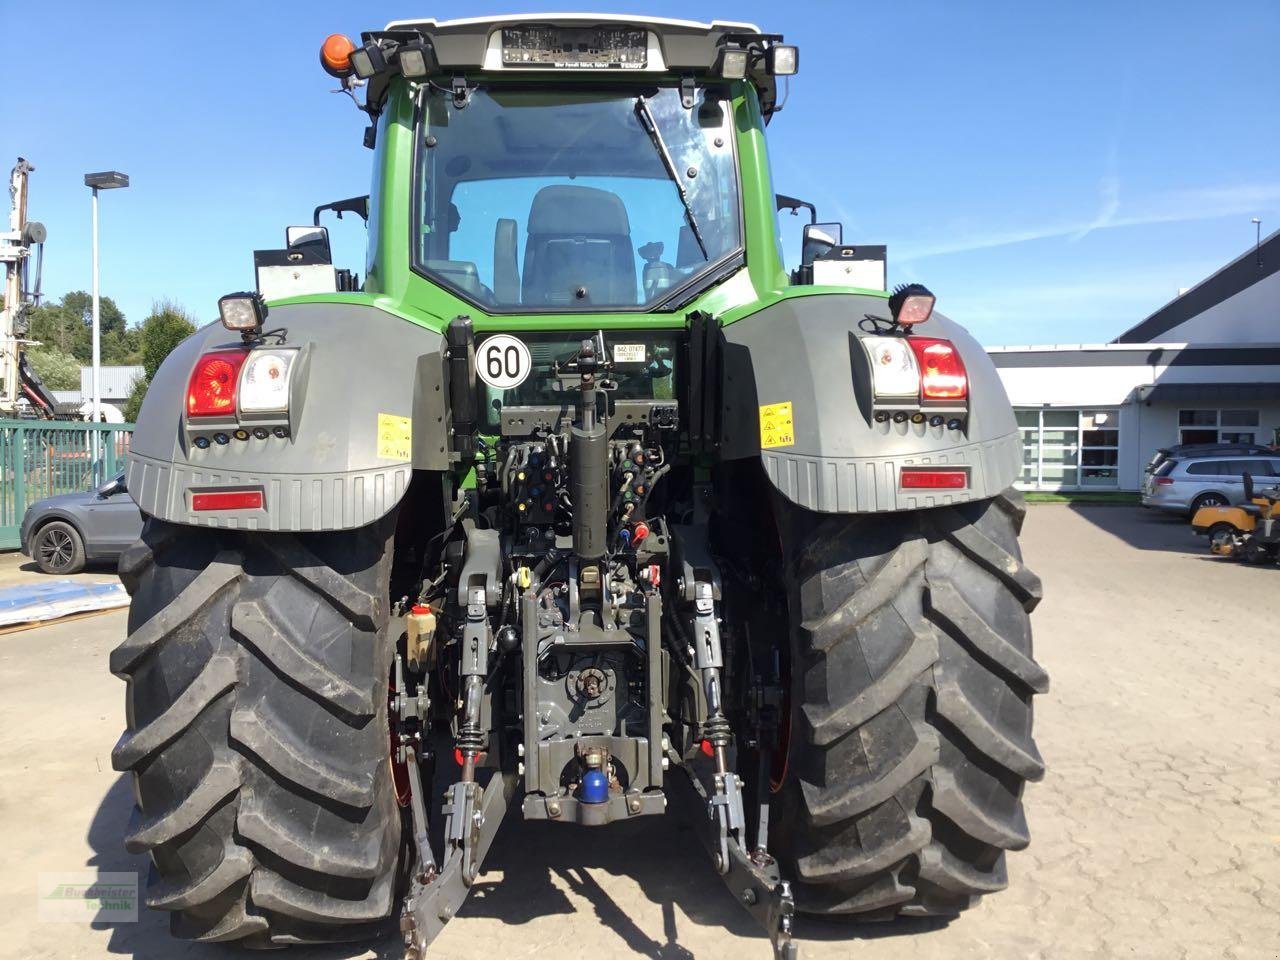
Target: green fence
column 42, row 458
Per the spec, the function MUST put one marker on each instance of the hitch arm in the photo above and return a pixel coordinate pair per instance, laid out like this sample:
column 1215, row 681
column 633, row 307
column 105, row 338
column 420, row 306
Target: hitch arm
column 753, row 879
column 473, row 818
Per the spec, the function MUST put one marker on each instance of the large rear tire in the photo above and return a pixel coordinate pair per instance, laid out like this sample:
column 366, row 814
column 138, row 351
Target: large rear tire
column 257, row 669
column 912, row 686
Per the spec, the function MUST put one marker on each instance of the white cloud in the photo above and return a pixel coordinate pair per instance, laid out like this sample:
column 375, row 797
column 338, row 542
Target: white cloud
column 1085, row 311
column 1178, row 206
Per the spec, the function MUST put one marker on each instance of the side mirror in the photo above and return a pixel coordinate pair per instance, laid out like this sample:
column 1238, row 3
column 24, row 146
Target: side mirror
column 311, row 238
column 820, row 238
column 111, row 488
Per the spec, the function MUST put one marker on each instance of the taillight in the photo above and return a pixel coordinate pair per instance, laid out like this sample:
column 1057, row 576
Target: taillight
column 916, row 478
column 942, row 373
column 1164, row 481
column 211, row 391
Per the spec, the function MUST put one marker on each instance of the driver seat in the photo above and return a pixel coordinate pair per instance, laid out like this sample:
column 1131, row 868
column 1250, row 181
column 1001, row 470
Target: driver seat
column 579, row 238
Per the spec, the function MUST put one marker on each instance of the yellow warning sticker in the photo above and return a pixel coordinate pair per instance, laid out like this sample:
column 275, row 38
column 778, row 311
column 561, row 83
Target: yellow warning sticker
column 395, row 438
column 776, row 426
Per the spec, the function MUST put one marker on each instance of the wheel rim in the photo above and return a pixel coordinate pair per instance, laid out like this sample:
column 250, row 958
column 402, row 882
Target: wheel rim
column 1212, row 501
column 57, row 549
column 1220, row 539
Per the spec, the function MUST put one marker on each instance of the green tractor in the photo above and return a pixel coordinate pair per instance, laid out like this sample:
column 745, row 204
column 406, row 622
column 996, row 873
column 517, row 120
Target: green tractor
column 577, row 500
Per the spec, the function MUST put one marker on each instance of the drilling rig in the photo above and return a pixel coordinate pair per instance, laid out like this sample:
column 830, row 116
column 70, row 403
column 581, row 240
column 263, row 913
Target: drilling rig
column 21, row 291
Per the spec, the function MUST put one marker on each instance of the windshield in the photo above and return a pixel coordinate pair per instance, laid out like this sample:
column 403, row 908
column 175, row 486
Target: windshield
column 538, row 201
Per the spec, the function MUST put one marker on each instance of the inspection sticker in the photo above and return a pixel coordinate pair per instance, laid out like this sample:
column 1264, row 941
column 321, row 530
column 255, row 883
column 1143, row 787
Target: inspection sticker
column 776, row 426
column 395, row 438
column 628, row 353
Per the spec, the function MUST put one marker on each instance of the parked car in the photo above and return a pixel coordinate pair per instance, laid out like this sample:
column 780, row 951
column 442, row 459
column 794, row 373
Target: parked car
column 63, row 533
column 1182, row 451
column 1184, row 485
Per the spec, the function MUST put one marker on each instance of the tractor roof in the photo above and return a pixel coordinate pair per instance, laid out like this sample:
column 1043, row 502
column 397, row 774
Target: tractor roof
column 547, row 43
column 475, row 42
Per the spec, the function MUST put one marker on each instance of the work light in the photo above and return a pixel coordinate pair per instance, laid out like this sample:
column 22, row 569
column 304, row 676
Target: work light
column 242, row 312
column 733, row 64
column 783, row 60
column 368, row 60
column 911, row 303
column 415, row 59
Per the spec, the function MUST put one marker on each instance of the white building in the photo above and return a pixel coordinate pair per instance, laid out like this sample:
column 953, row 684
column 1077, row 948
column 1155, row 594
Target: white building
column 1204, row 368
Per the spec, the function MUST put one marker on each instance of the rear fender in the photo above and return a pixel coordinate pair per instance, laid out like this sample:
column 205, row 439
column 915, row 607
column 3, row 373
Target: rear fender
column 367, row 409
column 806, row 351
column 1208, row 517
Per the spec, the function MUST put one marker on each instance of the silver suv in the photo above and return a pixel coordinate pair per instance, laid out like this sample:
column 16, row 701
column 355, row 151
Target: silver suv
column 1186, row 484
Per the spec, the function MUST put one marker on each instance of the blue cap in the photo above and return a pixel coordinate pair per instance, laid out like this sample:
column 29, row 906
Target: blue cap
column 595, row 787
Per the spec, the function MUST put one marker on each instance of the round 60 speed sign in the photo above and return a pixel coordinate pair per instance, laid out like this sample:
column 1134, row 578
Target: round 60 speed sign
column 503, row 361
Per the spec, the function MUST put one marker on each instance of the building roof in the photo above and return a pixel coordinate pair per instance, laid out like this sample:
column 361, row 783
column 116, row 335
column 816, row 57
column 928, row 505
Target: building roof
column 1137, row 354
column 1240, row 274
column 1211, row 394
column 112, row 381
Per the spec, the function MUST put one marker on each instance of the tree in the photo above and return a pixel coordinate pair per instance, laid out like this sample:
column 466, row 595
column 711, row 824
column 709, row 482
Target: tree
column 68, row 326
column 168, row 325
column 59, row 329
column 80, row 304
column 122, row 347
column 57, row 370
column 134, row 403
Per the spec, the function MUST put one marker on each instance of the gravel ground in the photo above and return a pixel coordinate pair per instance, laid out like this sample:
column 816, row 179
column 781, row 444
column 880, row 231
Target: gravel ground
column 1156, row 832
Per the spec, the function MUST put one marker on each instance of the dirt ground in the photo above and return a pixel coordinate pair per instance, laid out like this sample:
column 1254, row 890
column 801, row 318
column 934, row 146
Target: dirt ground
column 1155, row 834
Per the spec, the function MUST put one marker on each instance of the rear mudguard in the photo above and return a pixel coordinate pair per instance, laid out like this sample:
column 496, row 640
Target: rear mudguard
column 367, row 408
column 805, row 351
column 1207, row 517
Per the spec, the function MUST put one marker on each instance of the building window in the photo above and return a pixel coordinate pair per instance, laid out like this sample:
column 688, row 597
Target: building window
column 1069, row 449
column 1099, row 448
column 1218, row 426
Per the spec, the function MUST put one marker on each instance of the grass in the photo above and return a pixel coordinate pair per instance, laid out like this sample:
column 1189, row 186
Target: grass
column 1097, row 497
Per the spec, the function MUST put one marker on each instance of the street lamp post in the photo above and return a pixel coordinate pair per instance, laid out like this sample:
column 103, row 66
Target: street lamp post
column 1257, row 240
column 107, row 180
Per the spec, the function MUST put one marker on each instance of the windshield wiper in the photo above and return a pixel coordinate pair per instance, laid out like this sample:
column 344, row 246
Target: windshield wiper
column 651, row 128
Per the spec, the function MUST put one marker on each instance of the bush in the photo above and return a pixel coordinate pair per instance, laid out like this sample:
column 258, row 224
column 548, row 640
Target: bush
column 167, row 327
column 58, row 370
column 134, row 403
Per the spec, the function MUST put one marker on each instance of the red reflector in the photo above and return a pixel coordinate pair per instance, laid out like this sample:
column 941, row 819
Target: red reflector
column 211, row 391
column 910, row 479
column 708, row 749
column 942, row 374
column 227, row 500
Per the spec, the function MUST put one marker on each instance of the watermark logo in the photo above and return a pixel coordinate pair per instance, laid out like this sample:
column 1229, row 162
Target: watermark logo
column 88, row 897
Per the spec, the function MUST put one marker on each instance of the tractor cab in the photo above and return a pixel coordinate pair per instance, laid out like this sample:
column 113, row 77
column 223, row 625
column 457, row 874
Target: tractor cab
column 568, row 164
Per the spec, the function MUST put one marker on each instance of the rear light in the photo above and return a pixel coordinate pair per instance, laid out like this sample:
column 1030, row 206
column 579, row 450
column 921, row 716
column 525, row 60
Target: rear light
column 1164, row 481
column 264, row 383
column 227, row 500
column 895, row 375
column 211, row 391
column 942, row 373
column 914, row 478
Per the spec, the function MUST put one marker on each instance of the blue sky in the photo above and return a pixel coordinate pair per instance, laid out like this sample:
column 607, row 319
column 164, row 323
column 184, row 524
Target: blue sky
column 1054, row 172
